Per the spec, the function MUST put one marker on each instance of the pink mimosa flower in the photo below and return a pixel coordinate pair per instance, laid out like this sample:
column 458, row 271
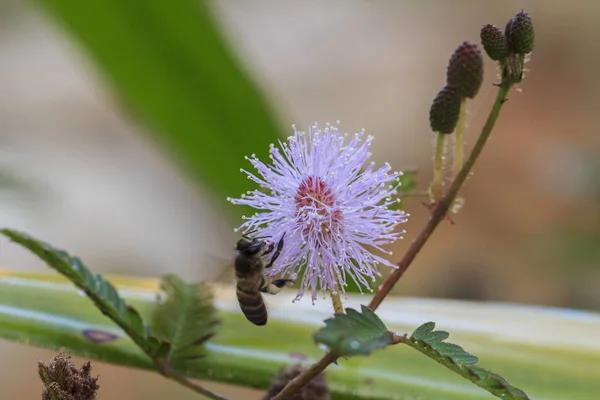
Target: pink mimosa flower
column 334, row 207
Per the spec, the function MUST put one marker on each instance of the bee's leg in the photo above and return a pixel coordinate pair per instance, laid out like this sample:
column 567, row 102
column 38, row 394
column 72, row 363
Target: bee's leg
column 270, row 248
column 281, row 283
column 264, row 284
column 276, row 254
column 275, row 286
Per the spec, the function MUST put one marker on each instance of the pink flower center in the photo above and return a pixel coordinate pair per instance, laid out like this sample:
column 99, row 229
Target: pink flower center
column 315, row 206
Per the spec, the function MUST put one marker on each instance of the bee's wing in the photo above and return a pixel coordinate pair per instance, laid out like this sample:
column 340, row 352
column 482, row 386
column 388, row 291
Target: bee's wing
column 227, row 275
column 222, row 269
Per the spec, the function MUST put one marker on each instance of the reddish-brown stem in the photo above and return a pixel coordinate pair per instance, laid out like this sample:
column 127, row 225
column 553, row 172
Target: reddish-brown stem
column 438, row 214
column 442, row 206
column 295, row 384
column 167, row 371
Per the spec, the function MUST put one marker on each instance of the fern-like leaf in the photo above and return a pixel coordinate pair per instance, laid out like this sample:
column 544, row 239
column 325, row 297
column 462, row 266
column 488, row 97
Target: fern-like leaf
column 452, row 356
column 354, row 333
column 186, row 319
column 102, row 293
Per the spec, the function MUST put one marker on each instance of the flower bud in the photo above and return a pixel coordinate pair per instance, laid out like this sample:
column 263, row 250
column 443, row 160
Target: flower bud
column 494, row 42
column 314, row 390
column 521, row 37
column 445, row 109
column 465, row 69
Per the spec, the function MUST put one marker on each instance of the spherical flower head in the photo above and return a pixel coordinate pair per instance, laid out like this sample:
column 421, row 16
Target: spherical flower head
column 335, row 208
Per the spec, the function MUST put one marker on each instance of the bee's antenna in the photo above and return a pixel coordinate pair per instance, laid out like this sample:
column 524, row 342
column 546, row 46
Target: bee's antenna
column 262, row 237
column 247, row 235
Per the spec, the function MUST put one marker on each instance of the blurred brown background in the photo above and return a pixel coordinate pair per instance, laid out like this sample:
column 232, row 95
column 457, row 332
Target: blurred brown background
column 76, row 171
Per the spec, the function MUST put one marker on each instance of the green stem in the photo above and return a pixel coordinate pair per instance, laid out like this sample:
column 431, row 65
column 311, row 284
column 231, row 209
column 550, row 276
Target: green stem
column 459, row 145
column 438, row 165
column 338, row 308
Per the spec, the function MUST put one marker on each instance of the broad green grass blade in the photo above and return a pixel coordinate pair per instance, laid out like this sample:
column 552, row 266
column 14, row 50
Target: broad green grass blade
column 46, row 311
column 169, row 63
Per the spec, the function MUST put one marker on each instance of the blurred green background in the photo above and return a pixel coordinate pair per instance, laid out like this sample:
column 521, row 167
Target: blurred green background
column 108, row 162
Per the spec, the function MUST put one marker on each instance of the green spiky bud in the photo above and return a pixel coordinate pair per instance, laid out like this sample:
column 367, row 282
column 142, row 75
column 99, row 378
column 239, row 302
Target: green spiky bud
column 465, row 69
column 522, row 36
column 445, row 109
column 494, row 42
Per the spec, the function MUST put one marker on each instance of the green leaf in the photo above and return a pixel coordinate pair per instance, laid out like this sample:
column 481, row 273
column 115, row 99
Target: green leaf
column 102, row 293
column 173, row 69
column 408, row 185
column 354, row 333
column 408, row 181
column 452, row 356
column 186, row 319
column 435, row 339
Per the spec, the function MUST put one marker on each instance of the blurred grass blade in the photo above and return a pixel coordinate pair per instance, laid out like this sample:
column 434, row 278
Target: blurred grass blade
column 44, row 310
column 169, row 62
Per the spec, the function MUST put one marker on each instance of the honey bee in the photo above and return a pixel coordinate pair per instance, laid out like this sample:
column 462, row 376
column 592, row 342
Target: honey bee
column 249, row 271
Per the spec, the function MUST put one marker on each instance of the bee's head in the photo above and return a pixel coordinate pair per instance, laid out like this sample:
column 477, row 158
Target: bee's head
column 249, row 246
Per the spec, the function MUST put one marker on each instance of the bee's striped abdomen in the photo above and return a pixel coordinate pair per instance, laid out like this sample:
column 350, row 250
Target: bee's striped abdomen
column 252, row 305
